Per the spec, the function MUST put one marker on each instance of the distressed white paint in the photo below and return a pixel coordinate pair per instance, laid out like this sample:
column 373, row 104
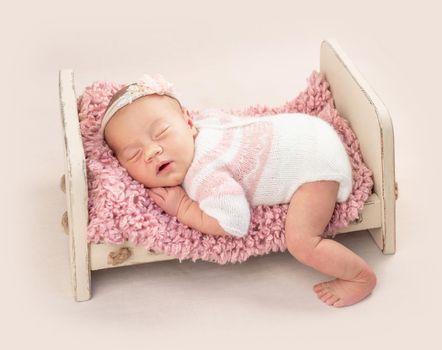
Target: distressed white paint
column 76, row 188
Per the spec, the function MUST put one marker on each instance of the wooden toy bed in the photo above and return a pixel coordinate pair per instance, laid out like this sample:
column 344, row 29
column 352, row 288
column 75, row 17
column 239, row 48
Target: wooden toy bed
column 354, row 100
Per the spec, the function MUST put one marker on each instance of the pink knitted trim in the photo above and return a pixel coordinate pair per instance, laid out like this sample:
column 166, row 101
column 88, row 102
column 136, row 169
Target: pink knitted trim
column 120, row 209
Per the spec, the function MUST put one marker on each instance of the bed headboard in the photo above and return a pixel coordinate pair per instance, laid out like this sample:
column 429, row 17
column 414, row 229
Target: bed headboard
column 76, row 185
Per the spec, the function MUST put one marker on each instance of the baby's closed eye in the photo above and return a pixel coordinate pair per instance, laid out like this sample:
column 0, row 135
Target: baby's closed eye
column 134, row 156
column 162, row 131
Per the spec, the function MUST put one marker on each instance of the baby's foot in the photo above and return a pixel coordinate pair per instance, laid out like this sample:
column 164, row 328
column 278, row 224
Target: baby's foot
column 341, row 292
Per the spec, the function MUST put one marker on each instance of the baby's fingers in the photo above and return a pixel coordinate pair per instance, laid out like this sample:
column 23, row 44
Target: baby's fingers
column 160, row 191
column 156, row 194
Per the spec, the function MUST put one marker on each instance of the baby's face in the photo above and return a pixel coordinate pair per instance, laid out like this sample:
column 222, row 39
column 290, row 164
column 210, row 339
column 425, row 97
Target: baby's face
column 153, row 139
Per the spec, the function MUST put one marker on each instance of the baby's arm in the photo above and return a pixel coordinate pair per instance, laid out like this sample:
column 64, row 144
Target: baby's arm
column 175, row 202
column 191, row 215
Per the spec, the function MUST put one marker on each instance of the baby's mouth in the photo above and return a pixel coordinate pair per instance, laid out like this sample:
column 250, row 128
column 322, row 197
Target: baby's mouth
column 164, row 166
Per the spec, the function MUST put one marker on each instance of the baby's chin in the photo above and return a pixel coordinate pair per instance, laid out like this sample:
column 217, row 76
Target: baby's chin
column 167, row 182
column 174, row 181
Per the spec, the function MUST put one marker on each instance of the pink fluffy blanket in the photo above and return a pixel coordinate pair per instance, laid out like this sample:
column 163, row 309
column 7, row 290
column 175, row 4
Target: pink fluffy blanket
column 120, row 209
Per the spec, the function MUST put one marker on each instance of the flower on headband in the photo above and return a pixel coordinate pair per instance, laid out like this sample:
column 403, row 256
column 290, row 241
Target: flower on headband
column 153, row 85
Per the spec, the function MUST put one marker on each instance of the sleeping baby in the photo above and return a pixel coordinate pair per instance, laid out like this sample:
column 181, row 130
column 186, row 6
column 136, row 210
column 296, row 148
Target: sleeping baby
column 210, row 170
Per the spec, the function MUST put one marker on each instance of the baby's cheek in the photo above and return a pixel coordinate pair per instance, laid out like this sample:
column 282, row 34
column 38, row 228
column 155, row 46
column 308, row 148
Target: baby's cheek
column 135, row 172
column 141, row 174
column 130, row 170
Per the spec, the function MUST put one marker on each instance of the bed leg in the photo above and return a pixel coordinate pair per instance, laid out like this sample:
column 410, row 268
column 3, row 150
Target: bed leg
column 383, row 240
column 80, row 270
column 80, row 284
column 385, row 236
column 378, row 236
column 79, row 260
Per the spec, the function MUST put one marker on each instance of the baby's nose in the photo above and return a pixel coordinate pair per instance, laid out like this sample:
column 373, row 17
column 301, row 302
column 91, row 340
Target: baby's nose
column 152, row 152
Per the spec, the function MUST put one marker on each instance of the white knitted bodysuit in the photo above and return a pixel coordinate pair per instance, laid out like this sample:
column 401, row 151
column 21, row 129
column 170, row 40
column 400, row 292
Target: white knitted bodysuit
column 241, row 162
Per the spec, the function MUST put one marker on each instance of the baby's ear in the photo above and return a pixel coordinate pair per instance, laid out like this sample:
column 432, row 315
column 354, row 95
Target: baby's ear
column 188, row 116
column 189, row 121
column 186, row 112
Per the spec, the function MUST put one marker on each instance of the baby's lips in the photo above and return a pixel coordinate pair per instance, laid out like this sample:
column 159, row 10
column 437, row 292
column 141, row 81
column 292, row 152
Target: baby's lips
column 159, row 165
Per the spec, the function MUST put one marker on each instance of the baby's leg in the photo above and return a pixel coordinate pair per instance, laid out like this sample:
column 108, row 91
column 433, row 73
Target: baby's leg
column 309, row 212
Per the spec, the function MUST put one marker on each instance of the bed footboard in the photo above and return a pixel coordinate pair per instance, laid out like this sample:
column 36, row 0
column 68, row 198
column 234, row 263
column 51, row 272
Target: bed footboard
column 371, row 122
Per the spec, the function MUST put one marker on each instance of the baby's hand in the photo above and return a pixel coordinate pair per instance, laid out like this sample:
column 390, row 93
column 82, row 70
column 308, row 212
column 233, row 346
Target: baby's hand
column 168, row 198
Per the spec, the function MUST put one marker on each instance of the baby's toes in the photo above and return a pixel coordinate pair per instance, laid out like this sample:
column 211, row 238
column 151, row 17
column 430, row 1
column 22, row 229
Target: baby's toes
column 320, row 287
column 339, row 303
column 332, row 300
column 321, row 292
column 326, row 296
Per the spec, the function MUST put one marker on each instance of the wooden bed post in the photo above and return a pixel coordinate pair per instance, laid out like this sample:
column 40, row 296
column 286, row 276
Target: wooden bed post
column 369, row 119
column 76, row 188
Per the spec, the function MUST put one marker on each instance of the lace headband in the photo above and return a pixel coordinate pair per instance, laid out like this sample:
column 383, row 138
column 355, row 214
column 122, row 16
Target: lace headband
column 147, row 85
